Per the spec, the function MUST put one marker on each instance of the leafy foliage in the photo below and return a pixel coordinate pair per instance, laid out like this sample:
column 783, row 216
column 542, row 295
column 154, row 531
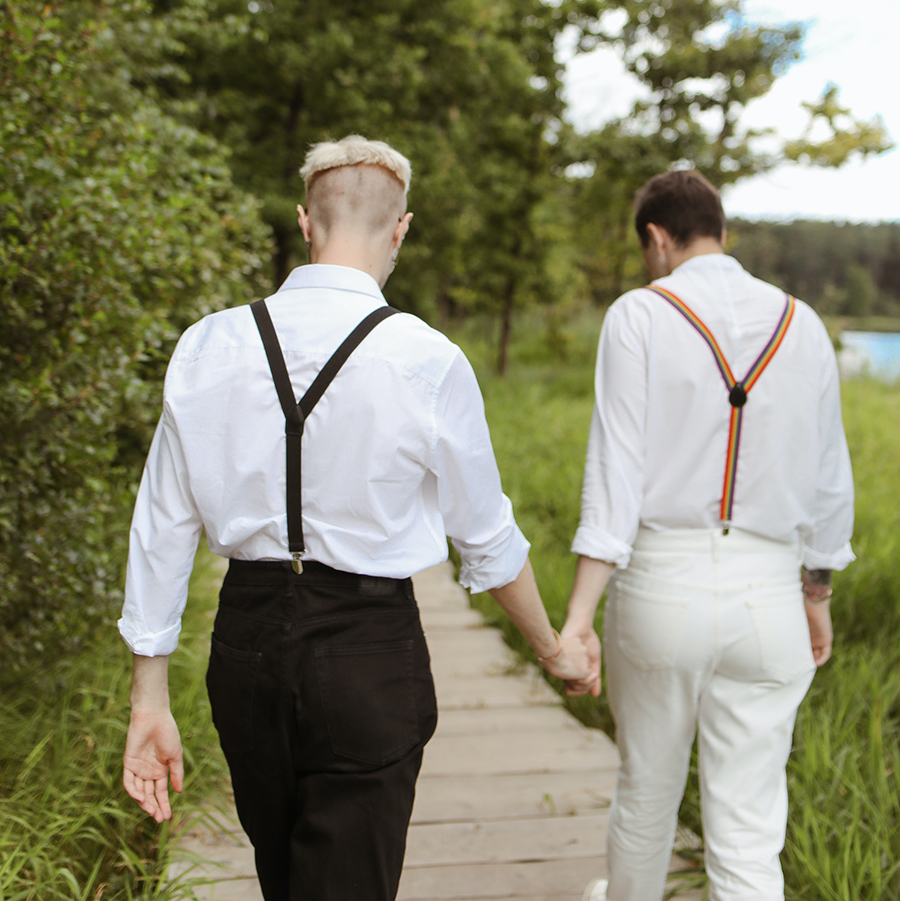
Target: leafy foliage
column 468, row 89
column 701, row 63
column 118, row 225
column 847, row 135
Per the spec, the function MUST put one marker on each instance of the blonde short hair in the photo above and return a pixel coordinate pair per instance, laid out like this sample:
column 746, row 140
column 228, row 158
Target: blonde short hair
column 355, row 150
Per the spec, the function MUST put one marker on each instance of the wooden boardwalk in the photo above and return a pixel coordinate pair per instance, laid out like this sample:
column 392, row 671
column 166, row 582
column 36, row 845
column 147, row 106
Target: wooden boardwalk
column 514, row 792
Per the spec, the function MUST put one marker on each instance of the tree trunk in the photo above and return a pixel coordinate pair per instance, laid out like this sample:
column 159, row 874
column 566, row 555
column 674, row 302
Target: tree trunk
column 291, row 163
column 509, row 303
column 444, row 303
column 621, row 243
column 281, row 262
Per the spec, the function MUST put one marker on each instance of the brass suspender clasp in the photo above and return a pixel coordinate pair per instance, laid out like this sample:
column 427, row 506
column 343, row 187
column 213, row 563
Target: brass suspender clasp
column 296, row 562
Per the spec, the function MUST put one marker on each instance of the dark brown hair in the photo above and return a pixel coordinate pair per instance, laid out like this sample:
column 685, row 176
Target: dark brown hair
column 684, row 203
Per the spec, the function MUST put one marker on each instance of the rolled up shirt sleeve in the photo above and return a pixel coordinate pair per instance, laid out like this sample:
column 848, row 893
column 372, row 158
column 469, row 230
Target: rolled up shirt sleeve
column 478, row 516
column 612, row 491
column 827, row 546
column 165, row 531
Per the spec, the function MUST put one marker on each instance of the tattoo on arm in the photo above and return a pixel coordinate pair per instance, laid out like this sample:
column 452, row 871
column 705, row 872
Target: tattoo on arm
column 817, row 576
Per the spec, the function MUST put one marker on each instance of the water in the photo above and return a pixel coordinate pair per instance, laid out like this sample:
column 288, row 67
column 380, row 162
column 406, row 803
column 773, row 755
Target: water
column 870, row 353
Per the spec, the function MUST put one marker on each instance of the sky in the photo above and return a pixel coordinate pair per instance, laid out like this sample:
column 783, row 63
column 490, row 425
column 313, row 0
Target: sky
column 851, row 43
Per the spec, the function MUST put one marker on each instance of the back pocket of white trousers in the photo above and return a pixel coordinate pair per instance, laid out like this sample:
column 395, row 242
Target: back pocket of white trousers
column 648, row 627
column 783, row 633
column 368, row 693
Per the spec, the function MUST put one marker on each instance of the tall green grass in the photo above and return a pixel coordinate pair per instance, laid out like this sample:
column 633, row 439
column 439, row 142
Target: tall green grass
column 843, row 841
column 67, row 828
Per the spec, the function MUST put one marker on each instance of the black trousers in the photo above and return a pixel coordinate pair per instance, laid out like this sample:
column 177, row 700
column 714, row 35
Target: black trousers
column 322, row 694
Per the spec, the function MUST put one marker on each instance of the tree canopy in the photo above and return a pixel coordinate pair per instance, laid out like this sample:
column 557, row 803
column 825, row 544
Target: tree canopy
column 701, row 63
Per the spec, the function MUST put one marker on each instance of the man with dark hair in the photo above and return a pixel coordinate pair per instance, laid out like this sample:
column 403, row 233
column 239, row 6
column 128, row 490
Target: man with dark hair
column 684, row 203
column 717, row 500
column 319, row 676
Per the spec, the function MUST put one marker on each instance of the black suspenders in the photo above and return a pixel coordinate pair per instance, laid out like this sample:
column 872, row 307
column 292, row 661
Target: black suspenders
column 295, row 414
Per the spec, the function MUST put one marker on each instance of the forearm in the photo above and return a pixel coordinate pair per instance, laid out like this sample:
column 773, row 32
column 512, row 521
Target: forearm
column 522, row 602
column 150, row 684
column 591, row 577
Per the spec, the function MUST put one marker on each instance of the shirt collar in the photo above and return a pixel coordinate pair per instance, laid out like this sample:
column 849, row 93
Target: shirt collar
column 709, row 261
column 342, row 278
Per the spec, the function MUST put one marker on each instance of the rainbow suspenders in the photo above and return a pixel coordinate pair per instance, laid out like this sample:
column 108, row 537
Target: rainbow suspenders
column 737, row 390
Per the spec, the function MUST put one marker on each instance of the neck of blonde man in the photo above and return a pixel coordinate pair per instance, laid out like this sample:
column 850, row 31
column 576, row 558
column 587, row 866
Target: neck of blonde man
column 365, row 252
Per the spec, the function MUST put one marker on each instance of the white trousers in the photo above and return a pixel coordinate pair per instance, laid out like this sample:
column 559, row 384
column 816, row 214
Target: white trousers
column 704, row 632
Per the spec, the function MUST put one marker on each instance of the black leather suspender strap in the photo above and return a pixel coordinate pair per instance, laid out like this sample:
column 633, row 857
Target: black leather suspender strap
column 296, row 414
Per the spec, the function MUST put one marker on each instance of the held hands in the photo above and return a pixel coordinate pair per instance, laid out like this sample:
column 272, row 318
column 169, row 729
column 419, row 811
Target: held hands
column 152, row 754
column 589, row 683
column 571, row 661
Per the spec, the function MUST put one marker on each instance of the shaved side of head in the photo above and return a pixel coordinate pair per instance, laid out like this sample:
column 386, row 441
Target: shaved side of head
column 355, row 186
column 364, row 199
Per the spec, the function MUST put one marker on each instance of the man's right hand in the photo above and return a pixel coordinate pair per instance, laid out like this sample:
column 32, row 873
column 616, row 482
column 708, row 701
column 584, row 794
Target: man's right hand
column 153, row 754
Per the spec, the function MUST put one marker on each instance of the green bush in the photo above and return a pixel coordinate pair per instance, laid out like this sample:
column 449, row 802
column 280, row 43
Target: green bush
column 117, row 227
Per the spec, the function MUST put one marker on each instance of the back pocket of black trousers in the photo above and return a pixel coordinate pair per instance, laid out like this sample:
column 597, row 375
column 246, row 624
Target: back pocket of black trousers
column 231, row 682
column 369, row 700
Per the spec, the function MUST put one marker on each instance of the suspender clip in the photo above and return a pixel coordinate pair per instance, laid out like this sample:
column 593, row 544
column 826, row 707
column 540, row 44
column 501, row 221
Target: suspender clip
column 296, row 562
column 737, row 397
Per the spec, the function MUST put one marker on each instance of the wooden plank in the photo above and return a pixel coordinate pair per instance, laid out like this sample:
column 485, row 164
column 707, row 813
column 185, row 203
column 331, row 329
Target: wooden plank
column 475, row 662
column 447, row 644
column 508, row 720
column 220, row 860
column 505, row 841
column 479, row 797
column 222, row 890
column 543, row 751
column 434, row 619
column 492, row 691
column 565, row 878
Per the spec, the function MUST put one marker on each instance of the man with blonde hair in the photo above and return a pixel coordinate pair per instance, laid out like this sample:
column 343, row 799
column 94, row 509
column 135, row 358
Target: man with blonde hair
column 319, row 675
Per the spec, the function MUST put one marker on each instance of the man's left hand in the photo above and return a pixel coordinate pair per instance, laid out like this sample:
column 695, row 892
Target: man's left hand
column 820, row 632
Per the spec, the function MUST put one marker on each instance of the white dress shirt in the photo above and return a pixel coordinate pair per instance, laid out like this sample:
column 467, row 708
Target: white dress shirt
column 659, row 433
column 396, row 454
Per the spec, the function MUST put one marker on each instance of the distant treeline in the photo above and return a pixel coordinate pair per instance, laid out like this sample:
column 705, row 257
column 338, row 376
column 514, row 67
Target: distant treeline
column 837, row 267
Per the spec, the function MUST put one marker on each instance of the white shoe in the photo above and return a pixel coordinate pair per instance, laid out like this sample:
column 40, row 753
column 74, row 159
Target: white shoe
column 596, row 891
